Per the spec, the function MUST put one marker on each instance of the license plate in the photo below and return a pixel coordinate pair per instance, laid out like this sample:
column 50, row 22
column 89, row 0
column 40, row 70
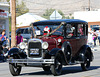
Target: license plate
column 34, row 51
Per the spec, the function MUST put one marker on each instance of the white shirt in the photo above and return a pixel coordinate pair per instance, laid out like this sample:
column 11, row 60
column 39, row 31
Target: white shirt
column 98, row 33
column 90, row 38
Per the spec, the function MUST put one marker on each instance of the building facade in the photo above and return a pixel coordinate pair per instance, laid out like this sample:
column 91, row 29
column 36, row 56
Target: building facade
column 92, row 17
column 4, row 17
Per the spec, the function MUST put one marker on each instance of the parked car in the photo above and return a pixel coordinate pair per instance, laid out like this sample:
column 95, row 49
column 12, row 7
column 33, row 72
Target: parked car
column 25, row 32
column 96, row 28
column 55, row 43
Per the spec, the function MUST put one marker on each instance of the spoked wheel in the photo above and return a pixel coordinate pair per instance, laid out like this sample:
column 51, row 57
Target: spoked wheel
column 46, row 68
column 14, row 69
column 56, row 68
column 85, row 66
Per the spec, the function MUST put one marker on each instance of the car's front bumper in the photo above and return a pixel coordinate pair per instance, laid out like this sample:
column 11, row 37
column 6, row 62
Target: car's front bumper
column 33, row 61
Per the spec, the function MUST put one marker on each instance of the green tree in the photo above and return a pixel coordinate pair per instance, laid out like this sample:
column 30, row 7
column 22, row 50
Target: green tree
column 8, row 0
column 48, row 12
column 70, row 16
column 4, row 0
column 67, row 17
column 61, row 13
column 21, row 8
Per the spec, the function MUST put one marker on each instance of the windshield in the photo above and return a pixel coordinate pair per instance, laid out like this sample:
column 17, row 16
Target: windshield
column 46, row 29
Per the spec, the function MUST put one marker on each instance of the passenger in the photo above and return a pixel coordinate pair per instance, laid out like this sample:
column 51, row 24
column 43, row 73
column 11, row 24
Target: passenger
column 70, row 34
column 81, row 30
column 46, row 30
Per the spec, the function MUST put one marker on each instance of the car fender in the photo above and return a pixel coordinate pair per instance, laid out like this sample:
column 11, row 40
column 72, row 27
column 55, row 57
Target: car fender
column 16, row 52
column 67, row 50
column 54, row 51
column 83, row 50
column 13, row 51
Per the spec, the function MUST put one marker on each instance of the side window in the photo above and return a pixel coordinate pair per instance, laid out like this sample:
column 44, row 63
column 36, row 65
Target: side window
column 81, row 31
column 29, row 30
column 26, row 31
column 70, row 30
column 20, row 30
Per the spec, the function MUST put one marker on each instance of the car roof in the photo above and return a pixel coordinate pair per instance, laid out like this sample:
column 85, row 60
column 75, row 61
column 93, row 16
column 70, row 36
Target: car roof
column 57, row 22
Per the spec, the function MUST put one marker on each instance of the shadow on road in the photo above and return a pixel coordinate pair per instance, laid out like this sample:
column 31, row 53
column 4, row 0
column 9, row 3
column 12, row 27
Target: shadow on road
column 65, row 70
column 38, row 73
column 77, row 69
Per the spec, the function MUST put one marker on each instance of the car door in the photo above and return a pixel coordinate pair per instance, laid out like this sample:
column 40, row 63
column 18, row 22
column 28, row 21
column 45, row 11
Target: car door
column 81, row 36
column 71, row 37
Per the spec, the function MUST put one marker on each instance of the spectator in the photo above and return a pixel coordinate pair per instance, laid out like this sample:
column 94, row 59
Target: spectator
column 90, row 40
column 3, row 40
column 99, row 36
column 94, row 36
column 19, row 38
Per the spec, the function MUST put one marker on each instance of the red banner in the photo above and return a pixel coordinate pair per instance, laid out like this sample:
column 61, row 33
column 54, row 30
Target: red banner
column 3, row 15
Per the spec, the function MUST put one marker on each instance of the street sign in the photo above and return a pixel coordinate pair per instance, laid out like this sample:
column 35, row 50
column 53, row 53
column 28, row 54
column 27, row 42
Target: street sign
column 55, row 15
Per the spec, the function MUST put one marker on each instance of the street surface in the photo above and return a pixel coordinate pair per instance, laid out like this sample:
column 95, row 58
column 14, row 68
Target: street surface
column 68, row 71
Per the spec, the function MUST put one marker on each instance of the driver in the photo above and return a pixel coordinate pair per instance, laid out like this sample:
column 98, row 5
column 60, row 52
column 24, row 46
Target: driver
column 46, row 30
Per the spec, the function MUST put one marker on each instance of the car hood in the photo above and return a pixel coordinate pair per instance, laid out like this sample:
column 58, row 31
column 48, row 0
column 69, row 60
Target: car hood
column 50, row 40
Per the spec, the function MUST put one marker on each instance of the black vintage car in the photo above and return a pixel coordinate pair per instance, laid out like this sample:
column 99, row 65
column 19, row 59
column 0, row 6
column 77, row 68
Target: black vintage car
column 55, row 43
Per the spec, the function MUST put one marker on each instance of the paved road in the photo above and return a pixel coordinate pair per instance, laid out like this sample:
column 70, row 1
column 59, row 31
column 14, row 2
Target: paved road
column 69, row 71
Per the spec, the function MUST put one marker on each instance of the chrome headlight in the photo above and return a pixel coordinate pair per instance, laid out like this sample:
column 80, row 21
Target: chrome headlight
column 59, row 40
column 45, row 45
column 22, row 45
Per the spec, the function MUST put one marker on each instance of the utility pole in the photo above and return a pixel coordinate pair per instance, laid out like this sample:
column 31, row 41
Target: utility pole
column 89, row 5
column 13, row 23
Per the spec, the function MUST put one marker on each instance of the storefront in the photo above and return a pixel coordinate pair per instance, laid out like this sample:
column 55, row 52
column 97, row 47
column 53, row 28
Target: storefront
column 92, row 17
column 4, row 18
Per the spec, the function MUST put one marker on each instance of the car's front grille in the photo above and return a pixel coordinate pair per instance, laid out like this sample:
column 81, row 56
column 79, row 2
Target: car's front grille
column 34, row 49
column 35, row 45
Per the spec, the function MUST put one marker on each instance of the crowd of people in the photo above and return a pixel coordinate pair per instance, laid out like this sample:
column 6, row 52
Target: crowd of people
column 93, row 36
column 4, row 48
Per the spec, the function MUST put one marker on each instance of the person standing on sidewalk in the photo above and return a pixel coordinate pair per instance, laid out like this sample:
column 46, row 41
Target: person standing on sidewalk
column 19, row 38
column 3, row 41
column 99, row 36
column 90, row 40
column 95, row 35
